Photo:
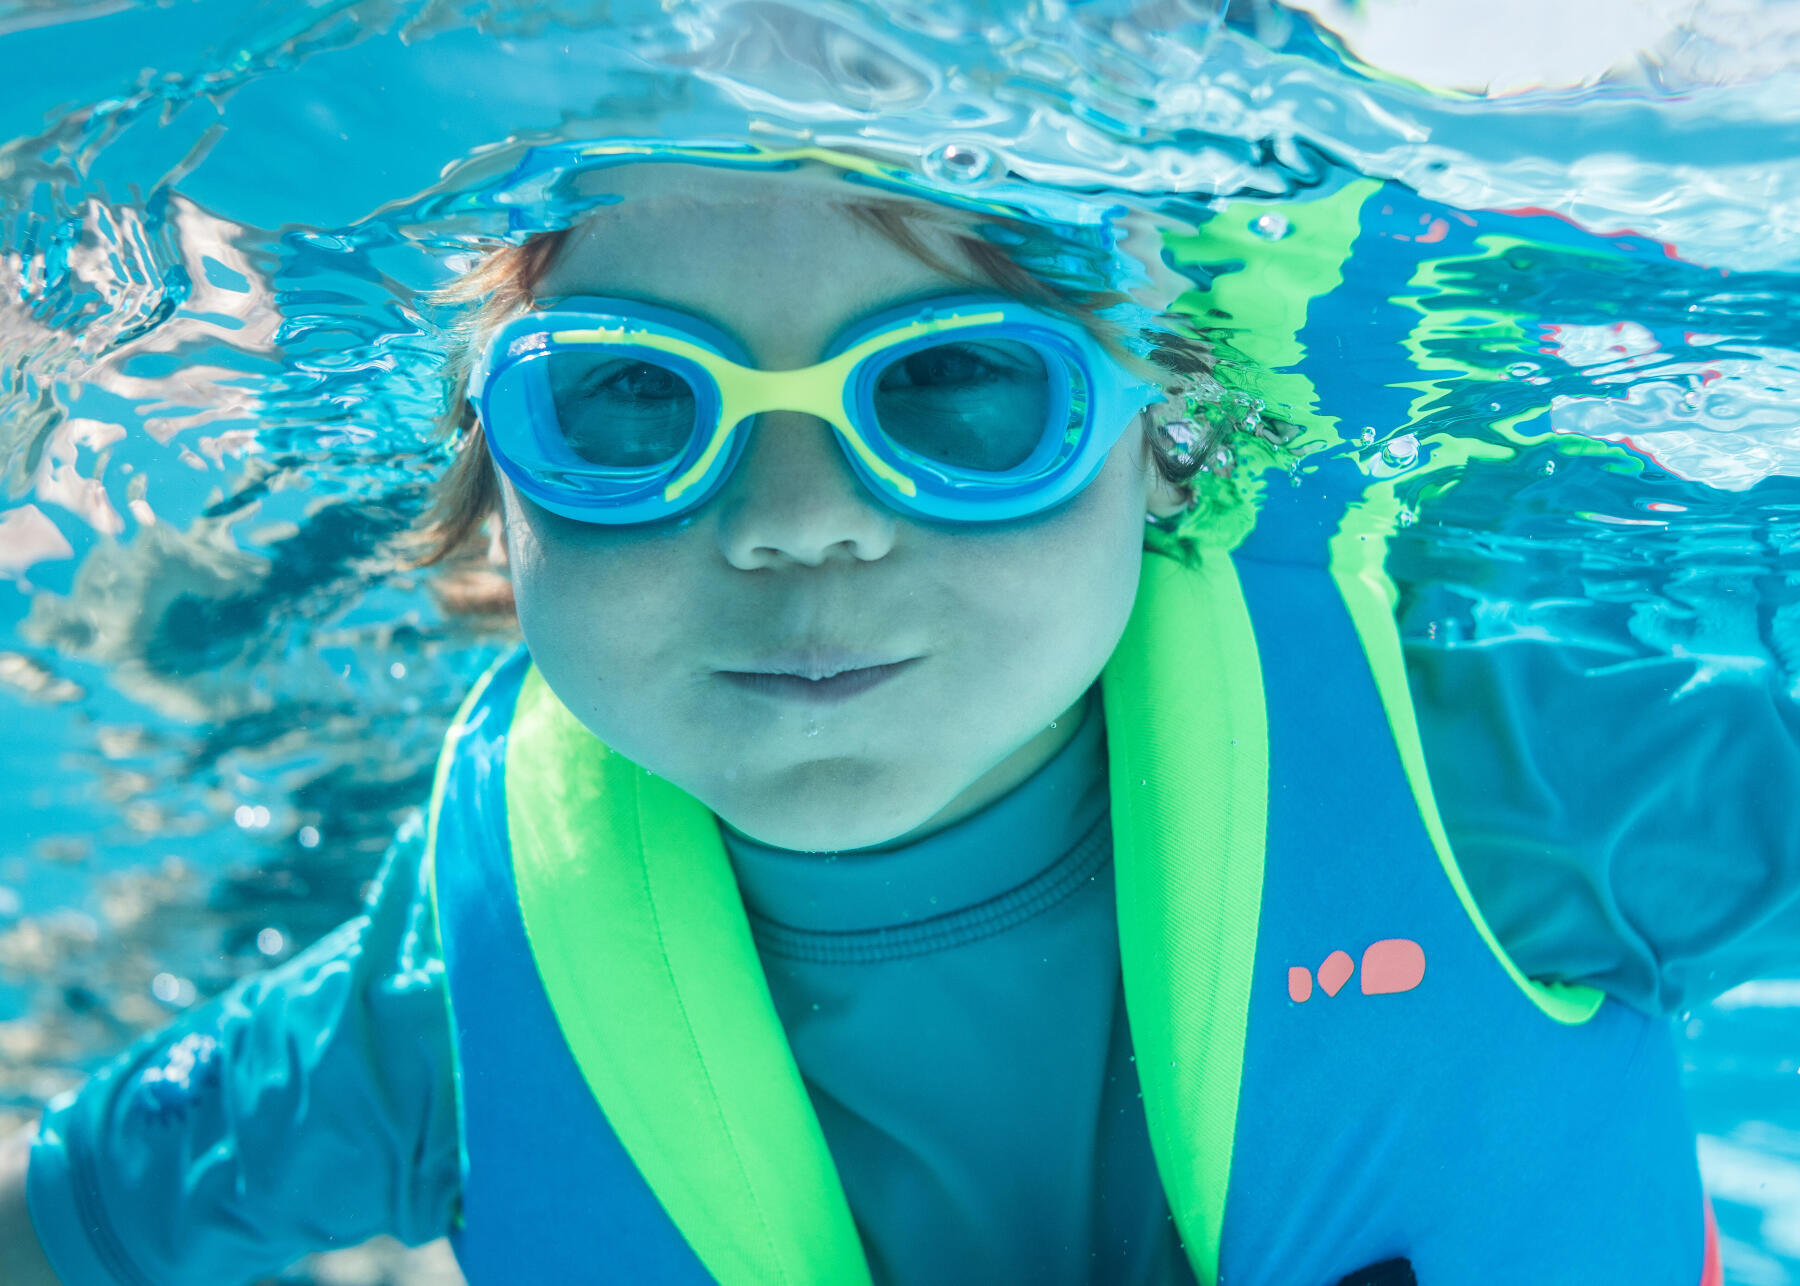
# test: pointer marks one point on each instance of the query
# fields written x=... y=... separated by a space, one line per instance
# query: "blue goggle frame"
x=1091 y=399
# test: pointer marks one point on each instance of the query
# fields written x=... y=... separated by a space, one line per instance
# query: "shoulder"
x=1612 y=817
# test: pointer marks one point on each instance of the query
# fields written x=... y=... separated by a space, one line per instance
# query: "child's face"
x=647 y=633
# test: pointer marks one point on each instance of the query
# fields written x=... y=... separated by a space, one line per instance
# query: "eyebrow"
x=870 y=304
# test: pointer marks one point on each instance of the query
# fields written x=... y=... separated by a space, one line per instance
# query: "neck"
x=1003 y=776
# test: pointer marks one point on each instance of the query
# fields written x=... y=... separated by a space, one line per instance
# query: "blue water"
x=219 y=688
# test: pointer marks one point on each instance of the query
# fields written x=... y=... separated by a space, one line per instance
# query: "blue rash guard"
x=312 y=1107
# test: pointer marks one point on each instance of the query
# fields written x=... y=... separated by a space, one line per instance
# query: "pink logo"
x=1390 y=966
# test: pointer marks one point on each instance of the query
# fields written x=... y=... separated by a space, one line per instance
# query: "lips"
x=818 y=678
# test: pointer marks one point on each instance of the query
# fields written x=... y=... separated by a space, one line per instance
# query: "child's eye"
x=635 y=382
x=620 y=412
x=956 y=365
x=979 y=406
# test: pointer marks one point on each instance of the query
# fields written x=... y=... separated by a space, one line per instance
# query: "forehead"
x=778 y=259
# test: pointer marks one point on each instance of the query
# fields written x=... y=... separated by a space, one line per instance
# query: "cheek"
x=1098 y=536
x=1056 y=592
x=596 y=607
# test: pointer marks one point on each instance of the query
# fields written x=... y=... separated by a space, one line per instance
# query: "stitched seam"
x=107 y=1247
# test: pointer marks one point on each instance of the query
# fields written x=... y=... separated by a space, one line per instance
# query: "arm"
x=22 y=1261
x=1625 y=825
x=308 y=1108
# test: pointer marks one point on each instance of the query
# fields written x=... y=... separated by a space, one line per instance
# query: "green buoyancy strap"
x=644 y=949
x=1187 y=746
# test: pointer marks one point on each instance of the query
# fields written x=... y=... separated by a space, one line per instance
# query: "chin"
x=847 y=817
x=811 y=834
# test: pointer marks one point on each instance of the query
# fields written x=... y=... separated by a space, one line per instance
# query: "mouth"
x=814 y=680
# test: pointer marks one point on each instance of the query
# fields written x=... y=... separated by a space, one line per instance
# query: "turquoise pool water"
x=1573 y=297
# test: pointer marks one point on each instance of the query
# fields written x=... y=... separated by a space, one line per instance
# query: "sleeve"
x=310 y=1107
x=1633 y=826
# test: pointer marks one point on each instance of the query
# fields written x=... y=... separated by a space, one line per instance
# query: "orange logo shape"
x=1390 y=966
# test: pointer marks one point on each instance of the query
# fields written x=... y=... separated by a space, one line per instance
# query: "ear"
x=1165 y=499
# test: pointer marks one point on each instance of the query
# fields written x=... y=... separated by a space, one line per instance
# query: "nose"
x=794 y=500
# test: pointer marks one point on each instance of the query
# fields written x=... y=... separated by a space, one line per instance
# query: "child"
x=783 y=930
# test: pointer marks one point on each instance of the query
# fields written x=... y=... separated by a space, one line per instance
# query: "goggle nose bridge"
x=819 y=390
x=816 y=390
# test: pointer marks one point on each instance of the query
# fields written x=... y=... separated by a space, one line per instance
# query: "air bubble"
x=1183 y=433
x=1400 y=452
x=1367 y=437
x=1271 y=227
x=962 y=164
x=172 y=990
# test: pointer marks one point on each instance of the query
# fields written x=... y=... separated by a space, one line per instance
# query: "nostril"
x=797 y=552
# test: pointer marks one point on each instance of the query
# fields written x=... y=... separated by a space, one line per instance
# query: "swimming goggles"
x=963 y=408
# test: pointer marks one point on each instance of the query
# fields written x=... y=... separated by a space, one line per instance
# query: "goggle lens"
x=621 y=412
x=979 y=405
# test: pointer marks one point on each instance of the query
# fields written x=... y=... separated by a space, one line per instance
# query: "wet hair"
x=505 y=281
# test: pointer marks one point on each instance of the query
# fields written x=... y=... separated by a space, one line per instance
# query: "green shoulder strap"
x=644 y=948
x=1359 y=566
x=1187 y=733
x=1188 y=752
